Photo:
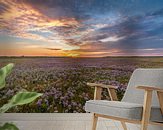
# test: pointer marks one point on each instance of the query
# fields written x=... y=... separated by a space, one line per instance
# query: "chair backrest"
x=143 y=77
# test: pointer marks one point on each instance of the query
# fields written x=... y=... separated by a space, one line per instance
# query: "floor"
x=57 y=121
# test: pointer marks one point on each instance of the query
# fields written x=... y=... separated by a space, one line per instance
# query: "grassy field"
x=63 y=80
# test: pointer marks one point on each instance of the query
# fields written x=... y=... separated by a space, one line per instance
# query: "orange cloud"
x=21 y=18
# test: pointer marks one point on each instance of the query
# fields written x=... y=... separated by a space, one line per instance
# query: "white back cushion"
x=143 y=77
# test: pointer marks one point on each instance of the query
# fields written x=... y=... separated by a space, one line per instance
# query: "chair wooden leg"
x=146 y=110
x=144 y=126
x=124 y=125
x=160 y=98
x=94 y=122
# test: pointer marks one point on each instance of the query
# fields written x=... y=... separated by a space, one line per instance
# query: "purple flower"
x=39 y=102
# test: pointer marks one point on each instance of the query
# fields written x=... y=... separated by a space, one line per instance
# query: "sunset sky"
x=82 y=28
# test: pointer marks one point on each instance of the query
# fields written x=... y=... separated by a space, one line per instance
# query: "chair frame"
x=146 y=107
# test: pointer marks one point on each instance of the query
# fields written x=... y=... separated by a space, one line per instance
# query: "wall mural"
x=58 y=46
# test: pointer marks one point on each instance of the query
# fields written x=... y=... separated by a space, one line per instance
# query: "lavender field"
x=63 y=80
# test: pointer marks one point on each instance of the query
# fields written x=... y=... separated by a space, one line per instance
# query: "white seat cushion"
x=125 y=110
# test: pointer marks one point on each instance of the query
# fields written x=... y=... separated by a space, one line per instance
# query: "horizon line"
x=76 y=57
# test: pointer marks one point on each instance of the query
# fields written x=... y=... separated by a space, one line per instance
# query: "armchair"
x=137 y=106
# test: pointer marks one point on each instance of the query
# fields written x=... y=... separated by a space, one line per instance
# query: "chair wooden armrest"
x=101 y=85
x=150 y=88
x=98 y=89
